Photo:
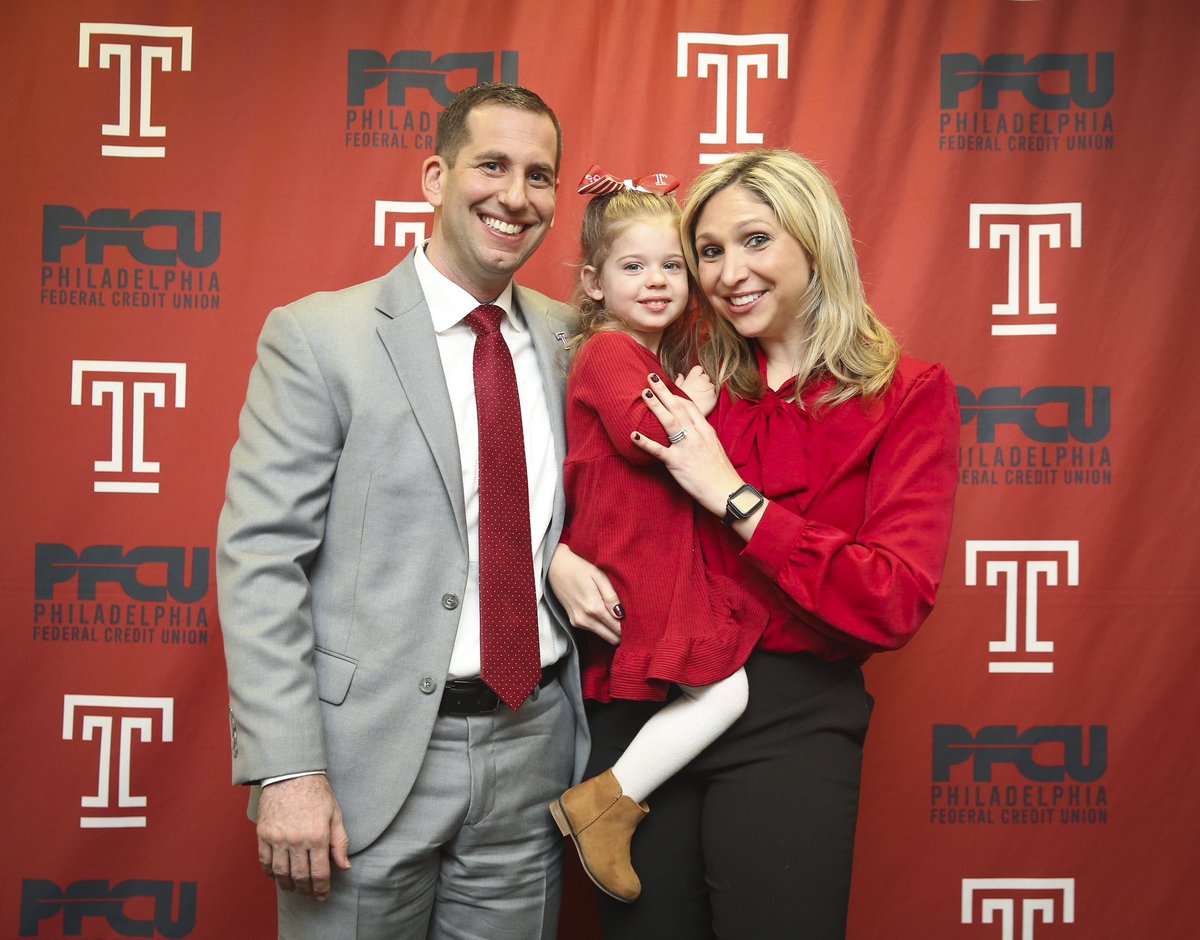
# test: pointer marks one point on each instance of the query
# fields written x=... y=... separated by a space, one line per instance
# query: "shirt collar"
x=448 y=303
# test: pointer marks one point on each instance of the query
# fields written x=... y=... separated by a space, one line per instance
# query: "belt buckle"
x=494 y=706
x=474 y=697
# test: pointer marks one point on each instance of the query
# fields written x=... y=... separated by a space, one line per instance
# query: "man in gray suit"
x=349 y=576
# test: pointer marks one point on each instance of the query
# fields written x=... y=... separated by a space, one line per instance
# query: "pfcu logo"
x=1018 y=904
x=1034 y=80
x=1050 y=103
x=116 y=904
x=1023 y=565
x=1034 y=412
x=1050 y=433
x=1015 y=230
x=416 y=68
x=137 y=52
x=760 y=56
x=1048 y=775
x=409 y=222
x=137 y=597
x=113 y=721
x=155 y=237
x=1041 y=754
x=127 y=470
x=56 y=564
x=178 y=248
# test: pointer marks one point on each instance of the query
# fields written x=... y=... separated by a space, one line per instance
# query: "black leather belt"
x=475 y=697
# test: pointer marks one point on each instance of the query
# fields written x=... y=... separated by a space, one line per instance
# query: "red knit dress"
x=628 y=517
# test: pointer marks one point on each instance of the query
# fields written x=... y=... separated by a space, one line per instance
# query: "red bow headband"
x=598 y=182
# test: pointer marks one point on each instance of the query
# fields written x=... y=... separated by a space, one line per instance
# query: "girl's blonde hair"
x=843 y=338
x=604 y=219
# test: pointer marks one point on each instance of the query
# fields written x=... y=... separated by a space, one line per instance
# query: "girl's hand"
x=586 y=594
x=697 y=460
x=699 y=388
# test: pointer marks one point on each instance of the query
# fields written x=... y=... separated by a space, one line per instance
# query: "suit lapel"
x=411 y=343
x=549 y=349
x=549 y=352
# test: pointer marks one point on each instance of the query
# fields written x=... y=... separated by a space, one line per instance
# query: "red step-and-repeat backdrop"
x=1022 y=179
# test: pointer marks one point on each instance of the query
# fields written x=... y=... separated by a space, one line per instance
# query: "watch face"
x=745 y=501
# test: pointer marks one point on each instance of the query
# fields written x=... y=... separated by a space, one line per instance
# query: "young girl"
x=682 y=626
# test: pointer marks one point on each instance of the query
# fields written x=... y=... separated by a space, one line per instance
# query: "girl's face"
x=751 y=269
x=643 y=283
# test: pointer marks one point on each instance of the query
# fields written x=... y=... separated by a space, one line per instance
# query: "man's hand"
x=299 y=830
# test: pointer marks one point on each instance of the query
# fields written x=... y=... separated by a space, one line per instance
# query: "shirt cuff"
x=303 y=773
x=776 y=534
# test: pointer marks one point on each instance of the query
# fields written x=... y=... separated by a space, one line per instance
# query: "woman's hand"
x=586 y=594
x=697 y=460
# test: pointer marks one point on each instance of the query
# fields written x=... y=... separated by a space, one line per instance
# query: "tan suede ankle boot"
x=600 y=820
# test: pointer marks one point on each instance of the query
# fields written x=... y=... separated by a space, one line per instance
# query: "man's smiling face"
x=496 y=202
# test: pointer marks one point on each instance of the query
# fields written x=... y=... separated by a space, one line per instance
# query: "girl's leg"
x=678 y=732
x=601 y=814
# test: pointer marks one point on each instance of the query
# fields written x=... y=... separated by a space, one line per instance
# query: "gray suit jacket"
x=342 y=545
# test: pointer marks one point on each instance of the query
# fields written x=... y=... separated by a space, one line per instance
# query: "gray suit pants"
x=473 y=853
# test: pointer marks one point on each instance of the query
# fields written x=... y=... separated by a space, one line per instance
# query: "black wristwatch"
x=742 y=503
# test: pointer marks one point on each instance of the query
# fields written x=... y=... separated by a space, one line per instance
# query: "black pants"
x=755 y=838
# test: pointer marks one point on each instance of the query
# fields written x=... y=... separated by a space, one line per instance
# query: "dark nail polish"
x=648 y=393
x=653 y=377
x=619 y=612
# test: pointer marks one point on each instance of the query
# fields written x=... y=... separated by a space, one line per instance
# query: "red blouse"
x=848 y=554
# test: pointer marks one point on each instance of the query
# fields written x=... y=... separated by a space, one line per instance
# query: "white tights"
x=678 y=732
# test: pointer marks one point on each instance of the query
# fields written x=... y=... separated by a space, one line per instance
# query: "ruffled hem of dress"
x=691 y=657
x=597 y=687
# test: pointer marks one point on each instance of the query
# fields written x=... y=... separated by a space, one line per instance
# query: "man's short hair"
x=452 y=132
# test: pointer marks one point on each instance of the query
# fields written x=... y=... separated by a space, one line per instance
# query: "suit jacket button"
x=449 y=601
x=428 y=685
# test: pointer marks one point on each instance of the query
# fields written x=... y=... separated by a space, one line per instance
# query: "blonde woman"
x=827 y=474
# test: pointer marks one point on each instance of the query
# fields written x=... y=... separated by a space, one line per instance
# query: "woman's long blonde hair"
x=843 y=338
x=604 y=219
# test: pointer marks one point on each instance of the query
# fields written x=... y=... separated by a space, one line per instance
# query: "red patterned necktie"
x=508 y=627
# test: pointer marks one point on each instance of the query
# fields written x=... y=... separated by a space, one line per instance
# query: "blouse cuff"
x=777 y=532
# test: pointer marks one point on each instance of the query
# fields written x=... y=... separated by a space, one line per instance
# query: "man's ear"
x=433 y=177
x=589 y=277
